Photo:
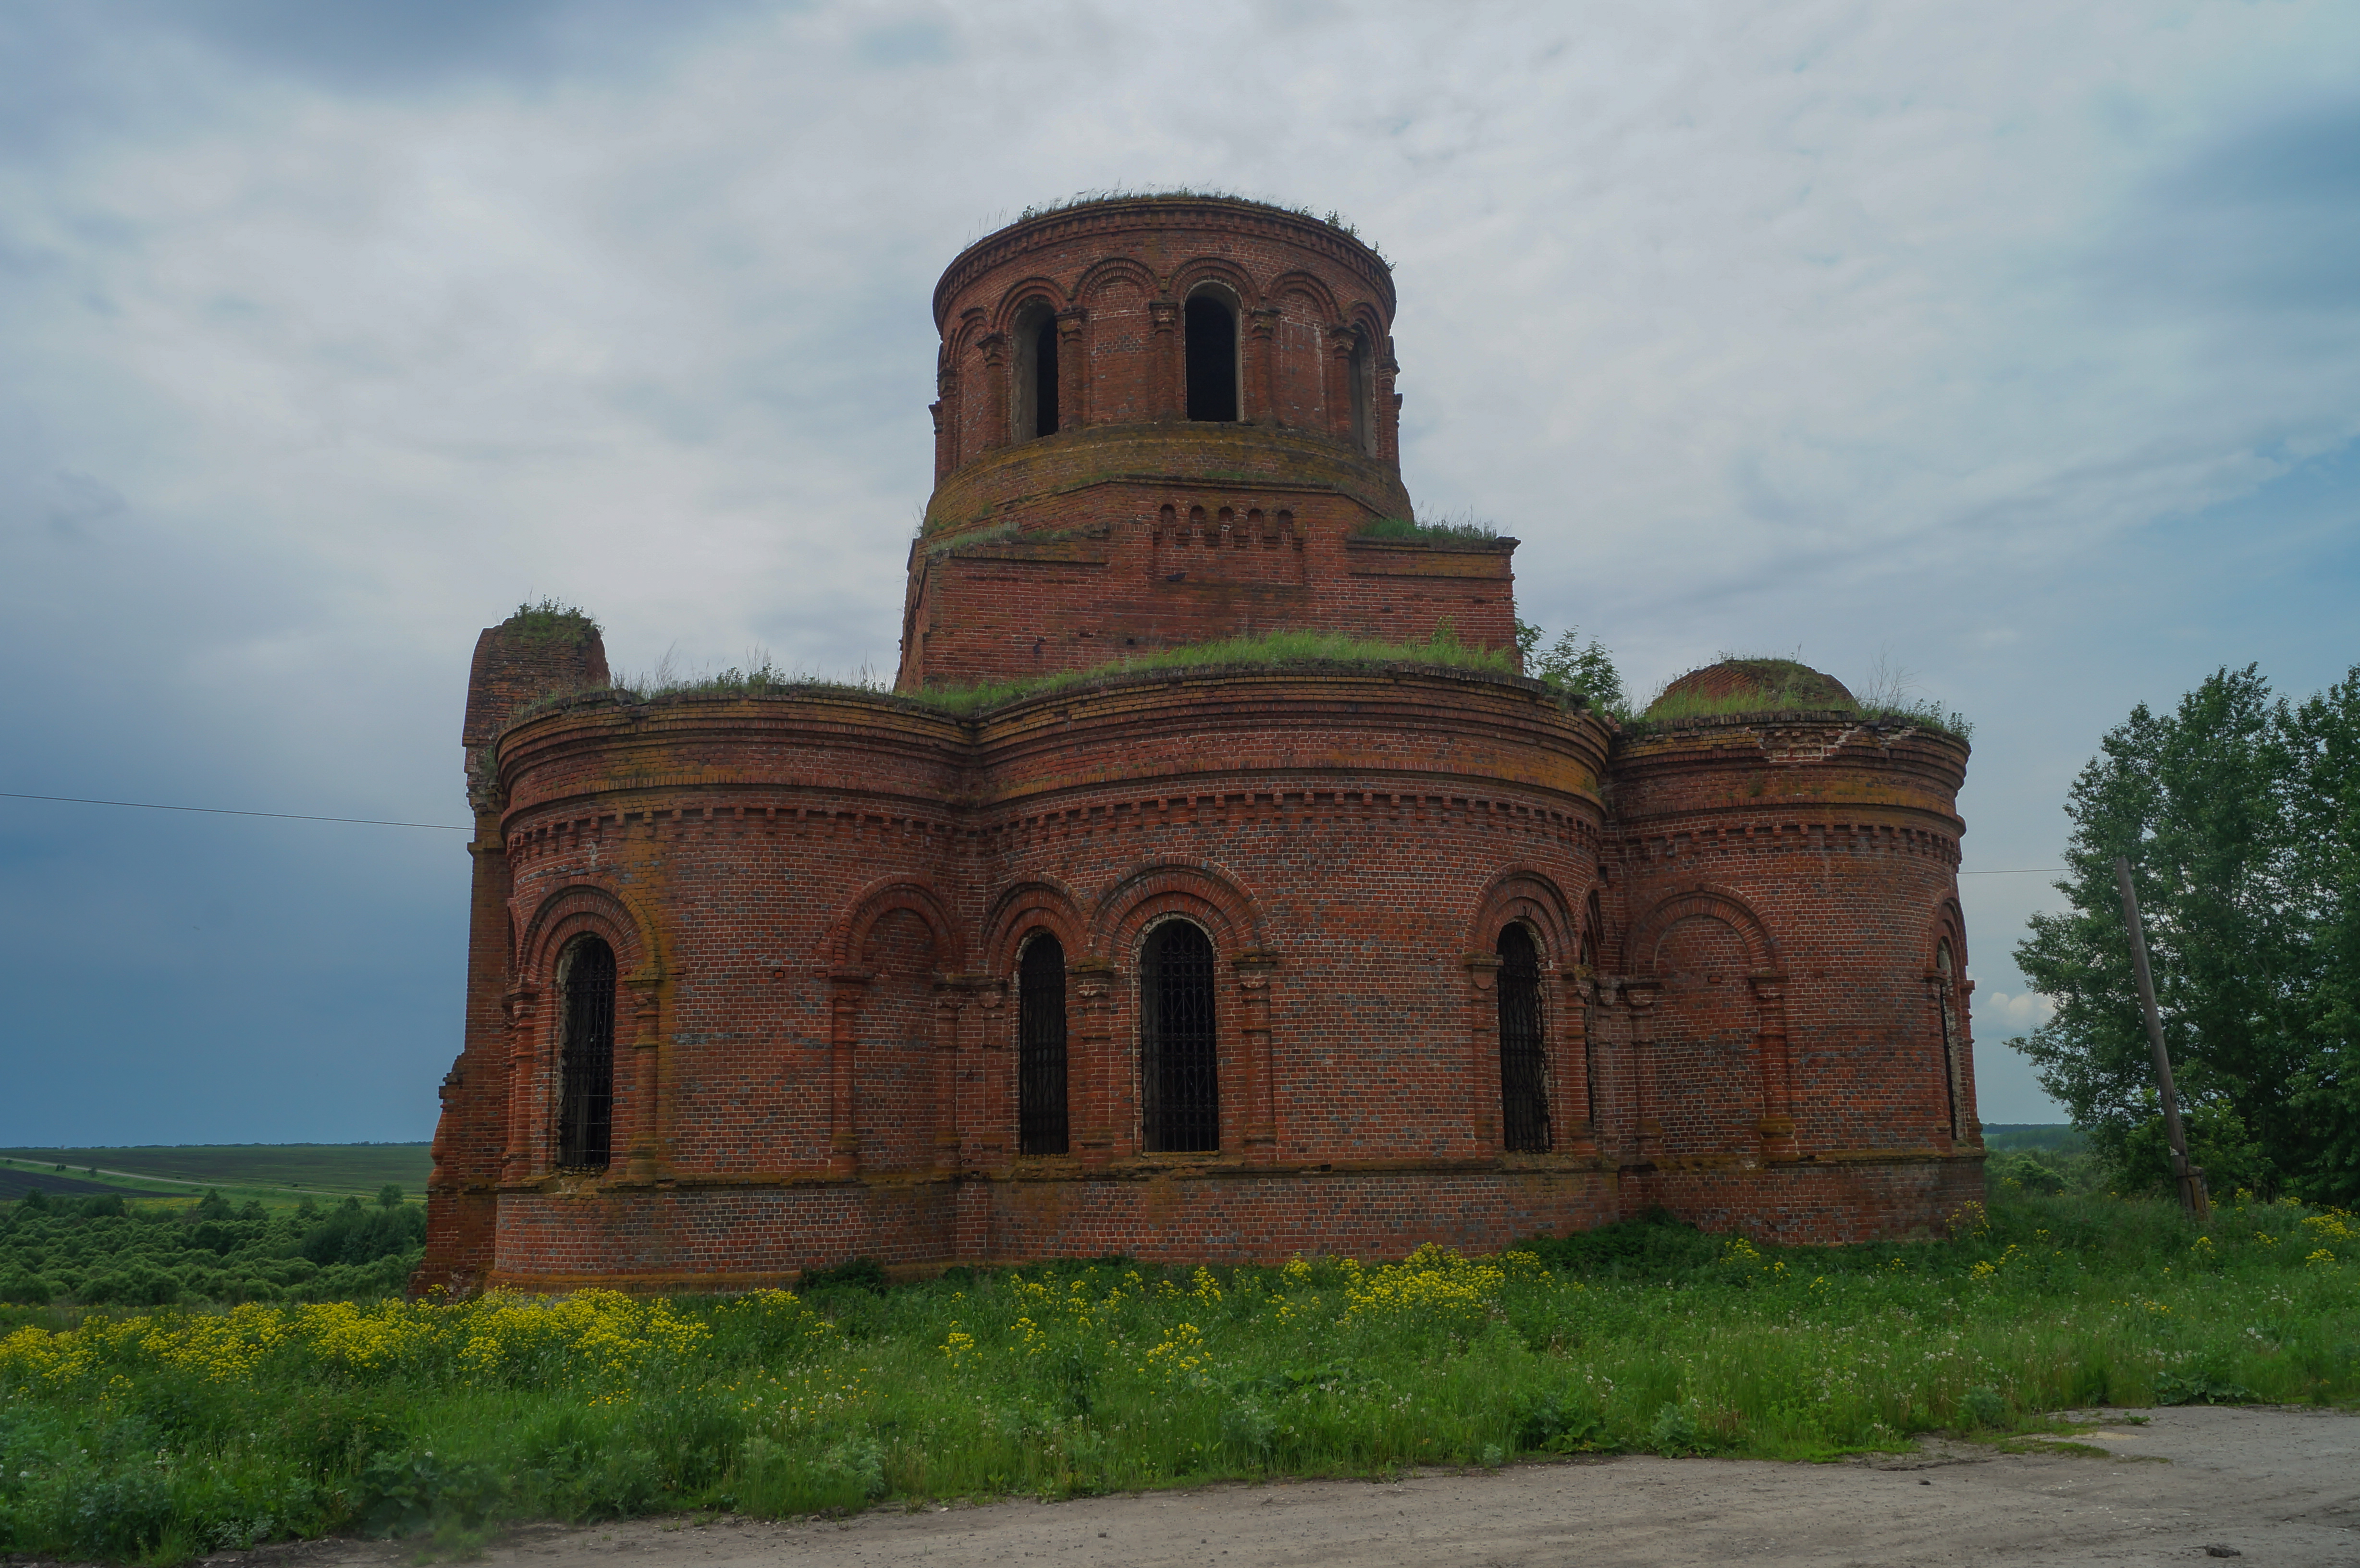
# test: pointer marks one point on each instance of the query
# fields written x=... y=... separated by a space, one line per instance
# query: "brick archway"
x=851 y=929
x=535 y=1025
x=1950 y=1032
x=1709 y=1029
x=892 y=1096
x=1106 y=987
x=1528 y=896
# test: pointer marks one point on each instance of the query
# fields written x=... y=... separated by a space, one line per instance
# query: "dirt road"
x=2276 y=1486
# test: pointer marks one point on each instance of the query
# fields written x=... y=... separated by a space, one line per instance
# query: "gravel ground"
x=2276 y=1486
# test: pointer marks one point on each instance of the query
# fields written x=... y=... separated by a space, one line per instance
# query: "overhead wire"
x=226 y=812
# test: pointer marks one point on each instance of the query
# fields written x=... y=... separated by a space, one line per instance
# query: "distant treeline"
x=104 y=1251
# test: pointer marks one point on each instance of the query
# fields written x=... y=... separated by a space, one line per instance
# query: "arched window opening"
x=1035 y=403
x=1179 y=1077
x=1041 y=1047
x=1523 y=1062
x=585 y=1114
x=1363 y=376
x=1944 y=967
x=1212 y=331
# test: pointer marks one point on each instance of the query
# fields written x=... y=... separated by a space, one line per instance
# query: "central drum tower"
x=1163 y=423
x=1225 y=960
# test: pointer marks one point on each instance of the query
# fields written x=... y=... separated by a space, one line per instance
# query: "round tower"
x=1164 y=421
x=1792 y=954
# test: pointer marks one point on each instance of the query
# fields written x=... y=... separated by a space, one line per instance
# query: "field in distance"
x=276 y=1173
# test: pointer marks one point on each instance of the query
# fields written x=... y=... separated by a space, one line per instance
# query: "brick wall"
x=1130 y=527
x=510 y=671
x=817 y=900
x=825 y=897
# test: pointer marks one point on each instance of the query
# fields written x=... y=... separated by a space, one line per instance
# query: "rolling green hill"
x=327 y=1169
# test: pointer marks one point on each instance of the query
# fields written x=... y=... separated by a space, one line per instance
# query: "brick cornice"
x=1110 y=220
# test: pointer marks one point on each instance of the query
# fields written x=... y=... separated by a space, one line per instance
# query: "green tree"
x=1571 y=666
x=2228 y=809
x=2326 y=1092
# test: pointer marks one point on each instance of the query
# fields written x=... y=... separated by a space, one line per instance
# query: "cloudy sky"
x=2013 y=344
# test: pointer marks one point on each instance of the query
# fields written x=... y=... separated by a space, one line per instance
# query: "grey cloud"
x=379 y=46
x=2265 y=220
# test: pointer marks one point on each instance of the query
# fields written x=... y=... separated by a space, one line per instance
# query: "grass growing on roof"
x=549 y=621
x=1276 y=648
x=1333 y=219
x=160 y=1436
x=760 y=677
x=1789 y=687
x=1449 y=531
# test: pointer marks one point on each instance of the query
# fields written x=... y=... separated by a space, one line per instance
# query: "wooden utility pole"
x=2189 y=1179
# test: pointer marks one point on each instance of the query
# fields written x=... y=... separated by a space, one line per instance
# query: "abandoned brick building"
x=1228 y=961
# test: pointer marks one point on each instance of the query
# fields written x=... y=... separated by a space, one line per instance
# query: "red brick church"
x=1230 y=961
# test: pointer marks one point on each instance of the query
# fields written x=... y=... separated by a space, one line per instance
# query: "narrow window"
x=1212 y=359
x=1041 y=1047
x=1589 y=1017
x=1035 y=406
x=1044 y=377
x=1523 y=1064
x=1364 y=392
x=1178 y=1077
x=1944 y=966
x=586 y=1118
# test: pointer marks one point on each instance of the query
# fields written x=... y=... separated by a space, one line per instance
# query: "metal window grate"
x=1523 y=1060
x=1178 y=1050
x=585 y=1116
x=1041 y=1047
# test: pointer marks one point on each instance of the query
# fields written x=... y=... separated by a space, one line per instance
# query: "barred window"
x=1041 y=1047
x=1523 y=1061
x=585 y=1115
x=1178 y=1073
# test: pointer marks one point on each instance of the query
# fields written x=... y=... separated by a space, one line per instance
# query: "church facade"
x=1189 y=961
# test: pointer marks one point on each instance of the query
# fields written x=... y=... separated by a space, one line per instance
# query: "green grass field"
x=275 y=1174
x=160 y=1435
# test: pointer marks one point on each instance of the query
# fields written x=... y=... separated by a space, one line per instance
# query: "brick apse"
x=1224 y=962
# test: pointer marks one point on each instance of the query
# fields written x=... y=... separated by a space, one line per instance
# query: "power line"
x=2018 y=871
x=221 y=812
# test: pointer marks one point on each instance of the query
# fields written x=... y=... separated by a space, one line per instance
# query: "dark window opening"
x=1942 y=964
x=1179 y=1078
x=1590 y=1020
x=1032 y=371
x=1044 y=377
x=1212 y=359
x=1041 y=1047
x=586 y=1118
x=1523 y=1062
x=1364 y=392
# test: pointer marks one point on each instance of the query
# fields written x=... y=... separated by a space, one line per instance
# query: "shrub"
x=858 y=1274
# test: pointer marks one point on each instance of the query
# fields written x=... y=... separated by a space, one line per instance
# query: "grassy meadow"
x=274 y=1175
x=162 y=1432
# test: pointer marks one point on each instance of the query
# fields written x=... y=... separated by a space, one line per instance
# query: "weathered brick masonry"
x=1749 y=1005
